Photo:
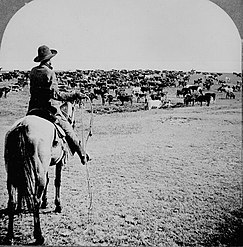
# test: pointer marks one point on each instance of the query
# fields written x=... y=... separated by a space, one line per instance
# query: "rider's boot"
x=76 y=147
x=81 y=153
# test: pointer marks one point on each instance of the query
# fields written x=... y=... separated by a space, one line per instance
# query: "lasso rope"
x=84 y=143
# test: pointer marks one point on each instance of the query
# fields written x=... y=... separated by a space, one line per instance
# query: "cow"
x=153 y=104
x=203 y=98
x=192 y=87
x=212 y=95
x=222 y=88
x=125 y=98
x=184 y=91
x=109 y=98
x=92 y=96
x=179 y=92
x=230 y=95
x=190 y=98
x=4 y=91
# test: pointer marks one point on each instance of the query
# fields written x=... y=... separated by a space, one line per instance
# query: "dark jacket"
x=44 y=93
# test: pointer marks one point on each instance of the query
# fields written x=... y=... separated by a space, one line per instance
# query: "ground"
x=164 y=177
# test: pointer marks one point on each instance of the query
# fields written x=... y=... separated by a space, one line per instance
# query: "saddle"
x=59 y=134
x=49 y=116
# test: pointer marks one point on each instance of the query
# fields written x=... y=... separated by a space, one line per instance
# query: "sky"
x=123 y=34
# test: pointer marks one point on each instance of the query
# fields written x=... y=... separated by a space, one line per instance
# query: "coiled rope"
x=84 y=143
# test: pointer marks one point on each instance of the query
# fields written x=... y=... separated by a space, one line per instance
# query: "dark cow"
x=125 y=98
x=230 y=95
x=109 y=98
x=212 y=95
x=4 y=91
x=140 y=96
x=92 y=96
x=103 y=91
x=222 y=88
x=184 y=91
x=179 y=92
x=189 y=98
x=203 y=98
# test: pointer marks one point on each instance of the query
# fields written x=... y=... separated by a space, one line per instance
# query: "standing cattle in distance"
x=125 y=98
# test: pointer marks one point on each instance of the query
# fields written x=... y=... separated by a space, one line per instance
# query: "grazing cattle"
x=212 y=95
x=236 y=88
x=92 y=96
x=155 y=96
x=192 y=87
x=198 y=81
x=208 y=83
x=4 y=91
x=153 y=104
x=203 y=98
x=182 y=83
x=16 y=88
x=223 y=88
x=109 y=98
x=184 y=91
x=189 y=98
x=140 y=96
x=179 y=92
x=136 y=90
x=230 y=95
x=103 y=91
x=237 y=74
x=145 y=89
x=125 y=98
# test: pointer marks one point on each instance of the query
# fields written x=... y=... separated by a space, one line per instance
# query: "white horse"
x=32 y=145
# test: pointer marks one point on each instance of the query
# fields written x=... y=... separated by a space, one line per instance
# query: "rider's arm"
x=62 y=96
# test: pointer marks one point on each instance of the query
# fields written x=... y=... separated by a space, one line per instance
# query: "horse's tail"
x=21 y=171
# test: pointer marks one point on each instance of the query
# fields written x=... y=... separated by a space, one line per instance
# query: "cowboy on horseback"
x=45 y=97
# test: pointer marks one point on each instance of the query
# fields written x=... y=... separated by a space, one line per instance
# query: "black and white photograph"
x=121 y=123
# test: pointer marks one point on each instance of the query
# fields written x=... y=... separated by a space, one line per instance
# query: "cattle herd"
x=140 y=86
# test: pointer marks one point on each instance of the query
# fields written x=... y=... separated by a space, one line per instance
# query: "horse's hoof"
x=58 y=209
x=39 y=241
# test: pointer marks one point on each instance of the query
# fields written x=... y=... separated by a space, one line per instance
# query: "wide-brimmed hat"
x=44 y=53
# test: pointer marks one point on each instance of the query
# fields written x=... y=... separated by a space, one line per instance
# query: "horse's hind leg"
x=44 y=197
x=58 y=185
x=11 y=208
x=37 y=229
x=20 y=203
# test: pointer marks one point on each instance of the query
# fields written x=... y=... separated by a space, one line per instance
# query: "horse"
x=28 y=153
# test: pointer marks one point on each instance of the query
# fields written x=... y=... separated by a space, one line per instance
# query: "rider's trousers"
x=71 y=137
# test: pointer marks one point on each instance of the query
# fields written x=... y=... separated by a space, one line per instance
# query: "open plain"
x=164 y=177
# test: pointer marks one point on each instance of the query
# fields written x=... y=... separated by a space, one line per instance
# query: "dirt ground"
x=164 y=177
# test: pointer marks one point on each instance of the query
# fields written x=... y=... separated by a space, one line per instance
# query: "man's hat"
x=44 y=53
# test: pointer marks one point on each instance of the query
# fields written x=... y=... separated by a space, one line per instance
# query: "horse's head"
x=68 y=109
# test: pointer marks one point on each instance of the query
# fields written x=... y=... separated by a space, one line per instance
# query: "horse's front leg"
x=58 y=185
